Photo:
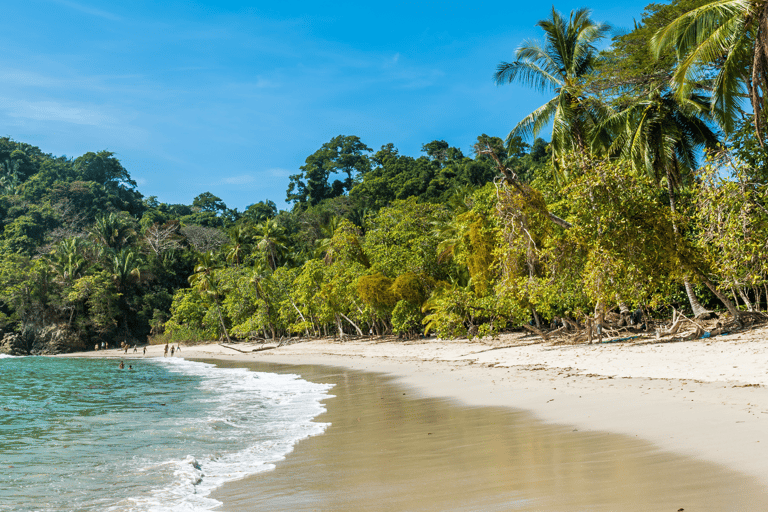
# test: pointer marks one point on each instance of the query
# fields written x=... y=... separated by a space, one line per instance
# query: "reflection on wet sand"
x=388 y=450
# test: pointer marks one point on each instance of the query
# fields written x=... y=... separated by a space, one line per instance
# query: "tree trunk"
x=600 y=320
x=732 y=309
x=536 y=317
x=342 y=334
x=765 y=289
x=698 y=310
x=745 y=298
x=359 y=331
x=306 y=329
x=221 y=320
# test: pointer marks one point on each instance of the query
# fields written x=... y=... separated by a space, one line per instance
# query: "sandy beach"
x=705 y=400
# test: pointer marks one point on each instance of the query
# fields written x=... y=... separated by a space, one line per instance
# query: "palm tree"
x=124 y=265
x=238 y=237
x=323 y=243
x=67 y=259
x=272 y=241
x=113 y=231
x=732 y=35
x=205 y=281
x=559 y=64
x=660 y=135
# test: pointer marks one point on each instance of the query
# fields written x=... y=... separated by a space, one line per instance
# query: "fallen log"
x=534 y=330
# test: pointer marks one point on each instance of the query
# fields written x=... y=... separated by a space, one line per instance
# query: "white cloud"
x=28 y=78
x=55 y=111
x=244 y=179
x=280 y=173
x=88 y=10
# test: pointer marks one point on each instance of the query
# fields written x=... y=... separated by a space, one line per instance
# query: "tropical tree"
x=272 y=242
x=205 y=281
x=68 y=260
x=238 y=237
x=125 y=265
x=113 y=231
x=560 y=64
x=725 y=41
x=660 y=135
x=342 y=155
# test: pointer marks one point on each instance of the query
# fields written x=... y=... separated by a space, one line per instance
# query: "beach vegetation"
x=651 y=197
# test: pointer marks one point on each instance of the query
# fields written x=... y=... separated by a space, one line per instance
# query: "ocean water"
x=83 y=435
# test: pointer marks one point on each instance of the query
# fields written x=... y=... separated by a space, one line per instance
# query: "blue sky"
x=231 y=97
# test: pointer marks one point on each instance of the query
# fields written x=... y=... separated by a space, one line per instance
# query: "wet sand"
x=391 y=448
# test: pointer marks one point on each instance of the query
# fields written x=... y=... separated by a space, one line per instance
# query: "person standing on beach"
x=145 y=350
x=165 y=353
x=172 y=349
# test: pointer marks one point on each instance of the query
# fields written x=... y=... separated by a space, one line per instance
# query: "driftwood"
x=534 y=330
x=261 y=349
x=233 y=348
x=572 y=324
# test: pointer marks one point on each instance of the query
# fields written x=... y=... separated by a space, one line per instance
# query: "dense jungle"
x=649 y=200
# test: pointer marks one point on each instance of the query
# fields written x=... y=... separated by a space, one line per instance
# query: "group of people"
x=168 y=347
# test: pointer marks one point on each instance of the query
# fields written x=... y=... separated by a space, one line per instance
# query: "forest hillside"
x=649 y=200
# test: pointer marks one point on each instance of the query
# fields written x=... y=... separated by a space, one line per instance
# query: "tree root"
x=534 y=330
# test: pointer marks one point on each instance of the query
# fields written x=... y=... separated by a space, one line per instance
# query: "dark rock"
x=13 y=344
x=54 y=339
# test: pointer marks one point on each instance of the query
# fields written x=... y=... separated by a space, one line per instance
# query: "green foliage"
x=433 y=178
x=411 y=288
x=341 y=155
x=376 y=291
x=626 y=235
x=261 y=211
x=188 y=314
x=561 y=64
x=723 y=43
x=100 y=297
x=406 y=318
x=454 y=312
x=398 y=239
x=630 y=66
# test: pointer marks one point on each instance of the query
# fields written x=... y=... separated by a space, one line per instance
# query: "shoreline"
x=705 y=399
x=388 y=448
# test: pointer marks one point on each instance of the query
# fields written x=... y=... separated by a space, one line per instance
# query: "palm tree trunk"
x=698 y=310
x=732 y=309
x=221 y=320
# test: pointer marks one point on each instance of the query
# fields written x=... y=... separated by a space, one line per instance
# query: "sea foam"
x=265 y=414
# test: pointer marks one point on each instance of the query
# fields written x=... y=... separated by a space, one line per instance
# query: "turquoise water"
x=82 y=435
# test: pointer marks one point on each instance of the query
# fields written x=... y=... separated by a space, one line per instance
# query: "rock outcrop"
x=13 y=344
x=46 y=340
